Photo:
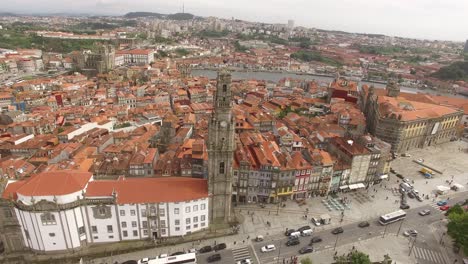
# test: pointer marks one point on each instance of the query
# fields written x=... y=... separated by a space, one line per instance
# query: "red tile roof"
x=150 y=190
x=52 y=183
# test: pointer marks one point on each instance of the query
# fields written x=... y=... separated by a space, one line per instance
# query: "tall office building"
x=466 y=47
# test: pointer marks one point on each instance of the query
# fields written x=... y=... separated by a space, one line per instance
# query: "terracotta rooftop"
x=150 y=190
x=52 y=183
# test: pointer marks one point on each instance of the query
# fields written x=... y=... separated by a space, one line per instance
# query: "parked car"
x=293 y=242
x=130 y=262
x=244 y=261
x=192 y=250
x=425 y=212
x=177 y=253
x=259 y=238
x=337 y=231
x=419 y=198
x=441 y=203
x=304 y=228
x=399 y=176
x=315 y=221
x=315 y=239
x=305 y=250
x=444 y=207
x=145 y=260
x=404 y=206
x=363 y=224
x=307 y=232
x=213 y=258
x=205 y=249
x=163 y=255
x=406 y=155
x=406 y=180
x=410 y=232
x=420 y=160
x=268 y=248
x=411 y=195
x=392 y=171
x=219 y=247
x=289 y=232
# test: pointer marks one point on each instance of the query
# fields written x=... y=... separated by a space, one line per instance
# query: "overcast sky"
x=424 y=19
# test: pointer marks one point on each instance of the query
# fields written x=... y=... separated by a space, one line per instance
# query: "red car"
x=444 y=207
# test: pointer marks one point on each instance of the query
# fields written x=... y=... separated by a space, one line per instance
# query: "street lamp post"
x=399 y=228
x=279 y=252
x=412 y=245
x=385 y=231
x=336 y=241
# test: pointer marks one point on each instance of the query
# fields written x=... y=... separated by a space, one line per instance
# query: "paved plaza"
x=365 y=204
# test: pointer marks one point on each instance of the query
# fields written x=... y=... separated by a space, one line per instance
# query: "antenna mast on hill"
x=183 y=8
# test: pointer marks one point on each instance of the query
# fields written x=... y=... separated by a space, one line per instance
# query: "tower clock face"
x=223 y=124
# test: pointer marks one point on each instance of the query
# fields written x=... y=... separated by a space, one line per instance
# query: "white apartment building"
x=65 y=210
x=136 y=56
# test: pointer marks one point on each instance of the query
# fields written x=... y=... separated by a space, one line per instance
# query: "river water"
x=275 y=77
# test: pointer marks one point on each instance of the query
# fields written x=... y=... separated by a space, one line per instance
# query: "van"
x=307 y=232
x=295 y=234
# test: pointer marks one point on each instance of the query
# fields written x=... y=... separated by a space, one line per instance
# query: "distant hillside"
x=143 y=14
x=7 y=14
x=177 y=16
x=454 y=72
x=181 y=16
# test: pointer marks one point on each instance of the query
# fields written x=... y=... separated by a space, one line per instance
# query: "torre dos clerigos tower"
x=220 y=152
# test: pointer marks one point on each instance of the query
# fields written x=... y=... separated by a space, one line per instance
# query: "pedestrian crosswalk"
x=241 y=253
x=429 y=255
x=436 y=207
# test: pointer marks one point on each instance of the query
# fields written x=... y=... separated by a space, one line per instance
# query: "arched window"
x=224 y=87
x=221 y=167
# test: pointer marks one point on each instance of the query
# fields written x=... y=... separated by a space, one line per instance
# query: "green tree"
x=457 y=228
x=358 y=257
x=306 y=261
x=182 y=52
x=456 y=209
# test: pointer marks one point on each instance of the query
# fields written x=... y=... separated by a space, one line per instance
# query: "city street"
x=365 y=205
x=352 y=233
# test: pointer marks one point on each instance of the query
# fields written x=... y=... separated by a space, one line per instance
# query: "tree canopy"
x=455 y=71
x=458 y=227
x=306 y=261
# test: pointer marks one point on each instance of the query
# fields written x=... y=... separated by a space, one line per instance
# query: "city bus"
x=189 y=258
x=392 y=217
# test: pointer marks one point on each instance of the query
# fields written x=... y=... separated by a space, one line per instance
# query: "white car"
x=410 y=232
x=145 y=260
x=315 y=221
x=268 y=248
x=163 y=256
x=244 y=261
x=420 y=160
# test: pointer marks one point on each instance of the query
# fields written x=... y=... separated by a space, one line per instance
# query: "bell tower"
x=220 y=152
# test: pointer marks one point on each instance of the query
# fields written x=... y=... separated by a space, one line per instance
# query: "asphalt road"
x=352 y=233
